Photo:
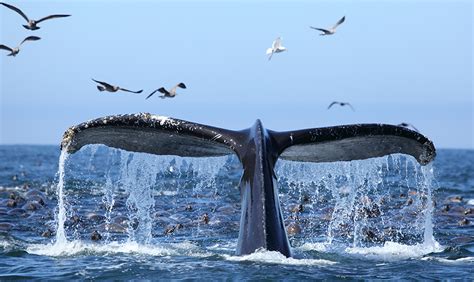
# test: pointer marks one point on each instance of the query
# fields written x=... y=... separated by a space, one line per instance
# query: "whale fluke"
x=161 y=135
x=258 y=149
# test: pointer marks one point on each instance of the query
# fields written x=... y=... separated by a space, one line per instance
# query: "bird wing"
x=320 y=29
x=339 y=22
x=151 y=94
x=103 y=83
x=51 y=17
x=16 y=10
x=330 y=105
x=277 y=43
x=180 y=85
x=349 y=104
x=164 y=91
x=136 y=92
x=6 y=48
x=30 y=38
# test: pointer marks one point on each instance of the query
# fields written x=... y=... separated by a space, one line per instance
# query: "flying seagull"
x=331 y=30
x=404 y=124
x=32 y=24
x=111 y=88
x=341 y=104
x=276 y=48
x=170 y=94
x=16 y=50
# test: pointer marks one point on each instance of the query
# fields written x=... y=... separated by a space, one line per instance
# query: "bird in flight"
x=16 y=50
x=170 y=94
x=111 y=88
x=32 y=24
x=407 y=125
x=340 y=104
x=276 y=48
x=331 y=30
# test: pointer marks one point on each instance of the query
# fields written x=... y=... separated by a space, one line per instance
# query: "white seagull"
x=170 y=94
x=331 y=30
x=276 y=48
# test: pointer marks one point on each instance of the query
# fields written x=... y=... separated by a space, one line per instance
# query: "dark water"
x=178 y=218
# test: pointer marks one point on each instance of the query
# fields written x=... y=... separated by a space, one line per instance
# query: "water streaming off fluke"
x=356 y=207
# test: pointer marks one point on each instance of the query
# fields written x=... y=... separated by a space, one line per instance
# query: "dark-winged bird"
x=170 y=94
x=331 y=30
x=340 y=104
x=16 y=50
x=104 y=86
x=32 y=24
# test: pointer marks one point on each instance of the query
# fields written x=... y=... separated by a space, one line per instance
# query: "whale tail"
x=160 y=135
x=258 y=150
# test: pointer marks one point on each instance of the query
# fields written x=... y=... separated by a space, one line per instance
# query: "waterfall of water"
x=363 y=203
x=61 y=213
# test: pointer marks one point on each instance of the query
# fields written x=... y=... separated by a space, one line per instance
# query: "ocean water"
x=103 y=213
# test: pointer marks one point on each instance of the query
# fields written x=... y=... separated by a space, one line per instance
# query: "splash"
x=376 y=206
x=61 y=214
x=272 y=257
x=391 y=251
x=76 y=247
x=137 y=179
x=132 y=185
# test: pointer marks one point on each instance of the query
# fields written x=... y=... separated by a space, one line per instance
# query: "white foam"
x=229 y=246
x=168 y=193
x=470 y=202
x=4 y=244
x=318 y=247
x=73 y=248
x=274 y=257
x=394 y=251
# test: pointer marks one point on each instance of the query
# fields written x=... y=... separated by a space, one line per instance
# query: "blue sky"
x=394 y=61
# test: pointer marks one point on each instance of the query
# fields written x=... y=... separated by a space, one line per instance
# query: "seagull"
x=276 y=48
x=111 y=88
x=32 y=24
x=331 y=30
x=16 y=50
x=170 y=94
x=341 y=104
x=404 y=124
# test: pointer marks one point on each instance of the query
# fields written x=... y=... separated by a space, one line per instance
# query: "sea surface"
x=104 y=213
